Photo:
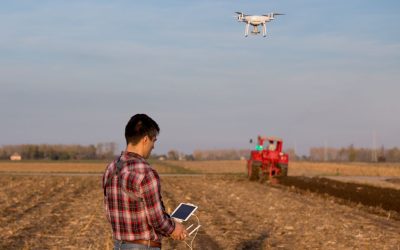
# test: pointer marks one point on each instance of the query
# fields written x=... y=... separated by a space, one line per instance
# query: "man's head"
x=141 y=132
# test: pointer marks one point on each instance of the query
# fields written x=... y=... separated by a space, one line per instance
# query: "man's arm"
x=158 y=218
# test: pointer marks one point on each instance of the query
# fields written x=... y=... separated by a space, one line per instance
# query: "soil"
x=393 y=180
x=238 y=214
x=371 y=196
x=66 y=212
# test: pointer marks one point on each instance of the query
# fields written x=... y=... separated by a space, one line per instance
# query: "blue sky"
x=75 y=71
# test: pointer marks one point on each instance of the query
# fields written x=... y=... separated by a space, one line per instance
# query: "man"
x=132 y=194
x=272 y=145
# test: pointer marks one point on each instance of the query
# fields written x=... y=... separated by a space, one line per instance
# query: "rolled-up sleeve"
x=157 y=217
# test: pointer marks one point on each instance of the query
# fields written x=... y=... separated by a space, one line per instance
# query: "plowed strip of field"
x=385 y=198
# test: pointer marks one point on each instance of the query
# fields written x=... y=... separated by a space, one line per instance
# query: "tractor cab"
x=274 y=143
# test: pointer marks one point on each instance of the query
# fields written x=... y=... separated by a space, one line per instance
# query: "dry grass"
x=296 y=168
x=53 y=167
x=344 y=169
x=71 y=167
x=212 y=167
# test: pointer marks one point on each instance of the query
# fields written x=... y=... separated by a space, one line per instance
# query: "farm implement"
x=267 y=162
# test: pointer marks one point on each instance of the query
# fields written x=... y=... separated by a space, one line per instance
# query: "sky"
x=74 y=72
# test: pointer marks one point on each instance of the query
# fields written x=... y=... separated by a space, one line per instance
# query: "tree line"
x=353 y=154
x=108 y=151
x=60 y=152
x=343 y=154
x=200 y=155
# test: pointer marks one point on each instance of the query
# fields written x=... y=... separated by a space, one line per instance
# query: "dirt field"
x=65 y=212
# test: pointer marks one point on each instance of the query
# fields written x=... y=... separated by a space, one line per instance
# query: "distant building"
x=15 y=157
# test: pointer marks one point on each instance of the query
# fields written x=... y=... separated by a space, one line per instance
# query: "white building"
x=15 y=157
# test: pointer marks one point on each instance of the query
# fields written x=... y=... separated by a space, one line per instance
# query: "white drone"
x=255 y=21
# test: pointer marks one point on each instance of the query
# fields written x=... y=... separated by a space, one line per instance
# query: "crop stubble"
x=53 y=212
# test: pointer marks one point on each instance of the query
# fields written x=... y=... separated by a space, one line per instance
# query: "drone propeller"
x=271 y=15
x=240 y=16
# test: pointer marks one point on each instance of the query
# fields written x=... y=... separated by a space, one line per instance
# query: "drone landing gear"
x=246 y=31
x=264 y=27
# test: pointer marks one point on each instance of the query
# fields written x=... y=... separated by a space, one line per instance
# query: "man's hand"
x=179 y=232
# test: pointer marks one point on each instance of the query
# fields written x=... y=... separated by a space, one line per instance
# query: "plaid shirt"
x=133 y=202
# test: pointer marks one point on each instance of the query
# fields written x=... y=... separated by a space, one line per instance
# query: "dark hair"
x=138 y=127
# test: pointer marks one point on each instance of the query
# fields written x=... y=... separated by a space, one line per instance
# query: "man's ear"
x=145 y=139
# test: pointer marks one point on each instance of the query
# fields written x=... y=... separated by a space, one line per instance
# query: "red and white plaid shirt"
x=133 y=202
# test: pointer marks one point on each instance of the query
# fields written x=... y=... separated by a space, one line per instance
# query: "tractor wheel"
x=254 y=171
x=263 y=177
x=284 y=169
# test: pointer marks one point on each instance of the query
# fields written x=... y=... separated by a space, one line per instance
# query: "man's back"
x=133 y=200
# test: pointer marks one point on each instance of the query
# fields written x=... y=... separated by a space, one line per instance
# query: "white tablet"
x=183 y=211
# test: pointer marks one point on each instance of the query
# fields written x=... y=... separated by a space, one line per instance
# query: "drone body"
x=254 y=21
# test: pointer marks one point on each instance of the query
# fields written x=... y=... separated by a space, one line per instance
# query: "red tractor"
x=267 y=162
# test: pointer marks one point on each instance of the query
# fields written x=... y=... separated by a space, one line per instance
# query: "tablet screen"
x=183 y=211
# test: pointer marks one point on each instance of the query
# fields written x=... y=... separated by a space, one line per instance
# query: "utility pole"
x=295 y=149
x=374 y=153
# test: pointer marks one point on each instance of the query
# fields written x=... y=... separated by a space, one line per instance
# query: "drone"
x=255 y=21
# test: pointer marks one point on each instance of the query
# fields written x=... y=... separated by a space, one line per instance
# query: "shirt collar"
x=127 y=154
